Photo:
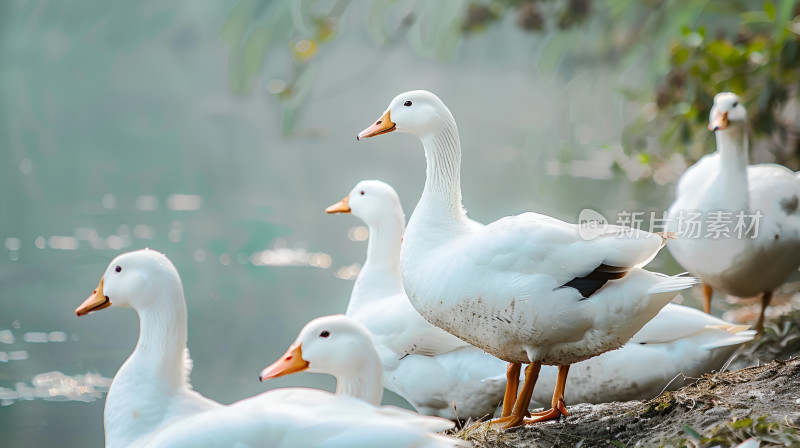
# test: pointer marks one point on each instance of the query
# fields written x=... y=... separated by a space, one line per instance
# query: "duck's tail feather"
x=736 y=338
x=674 y=283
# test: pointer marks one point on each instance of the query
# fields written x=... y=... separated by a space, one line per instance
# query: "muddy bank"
x=720 y=409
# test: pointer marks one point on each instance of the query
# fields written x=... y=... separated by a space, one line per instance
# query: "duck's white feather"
x=399 y=327
x=502 y=288
x=303 y=418
x=464 y=383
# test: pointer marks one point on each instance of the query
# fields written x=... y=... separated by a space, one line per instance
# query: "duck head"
x=727 y=110
x=331 y=344
x=417 y=112
x=370 y=200
x=132 y=280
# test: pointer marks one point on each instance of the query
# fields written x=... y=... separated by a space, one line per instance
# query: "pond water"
x=119 y=131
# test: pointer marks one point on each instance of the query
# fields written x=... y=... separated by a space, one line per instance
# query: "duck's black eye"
x=362 y=192
x=324 y=334
x=407 y=103
x=118 y=268
x=735 y=103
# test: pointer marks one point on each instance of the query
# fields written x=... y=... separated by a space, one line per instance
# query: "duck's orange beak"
x=719 y=122
x=291 y=362
x=96 y=301
x=382 y=126
x=342 y=206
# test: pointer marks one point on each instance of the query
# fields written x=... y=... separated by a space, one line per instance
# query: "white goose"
x=151 y=403
x=526 y=288
x=433 y=370
x=679 y=343
x=756 y=205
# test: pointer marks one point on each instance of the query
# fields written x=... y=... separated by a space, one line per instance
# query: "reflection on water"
x=358 y=233
x=40 y=337
x=33 y=337
x=284 y=256
x=349 y=272
x=184 y=202
x=6 y=337
x=123 y=238
x=19 y=355
x=55 y=386
x=147 y=203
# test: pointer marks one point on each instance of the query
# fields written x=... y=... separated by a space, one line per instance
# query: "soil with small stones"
x=771 y=391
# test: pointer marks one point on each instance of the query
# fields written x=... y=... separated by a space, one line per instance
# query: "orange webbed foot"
x=550 y=414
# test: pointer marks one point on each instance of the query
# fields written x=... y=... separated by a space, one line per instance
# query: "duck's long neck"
x=732 y=146
x=380 y=275
x=442 y=194
x=367 y=384
x=155 y=373
x=162 y=341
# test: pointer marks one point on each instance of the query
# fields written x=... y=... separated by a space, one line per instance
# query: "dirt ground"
x=720 y=409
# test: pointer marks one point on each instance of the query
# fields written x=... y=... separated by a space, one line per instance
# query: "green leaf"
x=754 y=17
x=551 y=54
x=743 y=423
x=694 y=435
x=376 y=22
x=301 y=87
x=448 y=41
x=253 y=53
x=757 y=44
x=235 y=25
x=769 y=8
x=784 y=14
x=434 y=23
x=680 y=55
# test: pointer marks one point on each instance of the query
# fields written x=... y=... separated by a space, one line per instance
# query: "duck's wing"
x=408 y=333
x=675 y=322
x=775 y=193
x=394 y=323
x=464 y=383
x=532 y=243
x=697 y=176
x=303 y=417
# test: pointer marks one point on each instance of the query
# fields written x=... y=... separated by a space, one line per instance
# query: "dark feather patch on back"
x=595 y=280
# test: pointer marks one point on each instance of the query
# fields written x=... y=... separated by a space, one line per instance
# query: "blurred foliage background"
x=218 y=132
x=693 y=50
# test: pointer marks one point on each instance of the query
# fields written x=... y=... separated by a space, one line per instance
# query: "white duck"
x=756 y=205
x=679 y=343
x=151 y=403
x=527 y=288
x=433 y=370
x=338 y=346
